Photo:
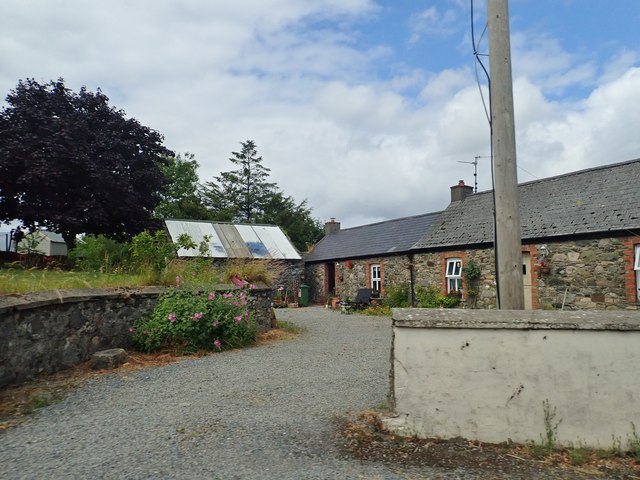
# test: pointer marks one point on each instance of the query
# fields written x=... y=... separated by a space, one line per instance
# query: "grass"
x=15 y=281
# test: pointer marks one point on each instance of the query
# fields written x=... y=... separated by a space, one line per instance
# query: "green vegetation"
x=550 y=438
x=188 y=320
x=399 y=296
x=17 y=280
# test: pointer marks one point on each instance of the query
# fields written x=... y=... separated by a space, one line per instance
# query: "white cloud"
x=293 y=77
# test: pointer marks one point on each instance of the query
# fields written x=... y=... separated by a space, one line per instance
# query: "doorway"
x=330 y=275
x=526 y=281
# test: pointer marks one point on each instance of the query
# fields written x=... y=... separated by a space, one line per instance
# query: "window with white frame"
x=376 y=277
x=636 y=267
x=454 y=275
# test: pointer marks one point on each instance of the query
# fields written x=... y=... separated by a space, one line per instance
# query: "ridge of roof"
x=585 y=202
x=367 y=225
x=567 y=174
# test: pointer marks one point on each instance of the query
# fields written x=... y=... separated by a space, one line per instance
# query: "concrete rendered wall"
x=484 y=375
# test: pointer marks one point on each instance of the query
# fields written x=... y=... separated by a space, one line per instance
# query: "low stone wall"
x=499 y=375
x=53 y=330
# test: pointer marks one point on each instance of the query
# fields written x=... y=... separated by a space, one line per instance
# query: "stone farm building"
x=260 y=243
x=580 y=245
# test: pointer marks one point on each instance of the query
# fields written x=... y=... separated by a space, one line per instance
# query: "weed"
x=634 y=443
x=578 y=456
x=614 y=451
x=550 y=438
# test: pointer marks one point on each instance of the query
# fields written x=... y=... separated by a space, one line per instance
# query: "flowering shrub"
x=190 y=319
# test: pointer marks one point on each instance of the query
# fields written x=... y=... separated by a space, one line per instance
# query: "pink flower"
x=227 y=295
x=251 y=286
x=131 y=330
x=196 y=316
x=172 y=317
x=238 y=319
x=238 y=282
x=217 y=344
x=145 y=332
x=211 y=296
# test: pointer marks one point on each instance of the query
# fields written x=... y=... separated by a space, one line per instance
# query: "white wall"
x=484 y=375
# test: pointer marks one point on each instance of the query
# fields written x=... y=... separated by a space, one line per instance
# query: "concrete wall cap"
x=516 y=319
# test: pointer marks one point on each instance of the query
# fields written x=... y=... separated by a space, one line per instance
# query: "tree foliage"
x=181 y=197
x=73 y=164
x=294 y=218
x=240 y=195
x=246 y=195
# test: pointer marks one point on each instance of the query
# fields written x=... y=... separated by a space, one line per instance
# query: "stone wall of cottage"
x=581 y=274
x=352 y=275
x=355 y=274
x=587 y=274
x=314 y=277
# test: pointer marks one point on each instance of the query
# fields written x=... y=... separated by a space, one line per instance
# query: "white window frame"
x=636 y=267
x=453 y=274
x=376 y=277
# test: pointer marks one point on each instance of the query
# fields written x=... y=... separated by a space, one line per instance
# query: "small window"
x=637 y=263
x=376 y=278
x=454 y=275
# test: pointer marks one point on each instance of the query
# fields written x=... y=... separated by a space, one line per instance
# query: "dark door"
x=331 y=278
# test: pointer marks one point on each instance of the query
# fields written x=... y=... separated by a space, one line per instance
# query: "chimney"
x=331 y=227
x=460 y=192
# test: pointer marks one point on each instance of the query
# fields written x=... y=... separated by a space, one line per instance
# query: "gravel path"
x=261 y=413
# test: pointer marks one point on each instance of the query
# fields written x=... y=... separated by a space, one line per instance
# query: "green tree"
x=181 y=196
x=246 y=195
x=294 y=218
x=72 y=164
x=240 y=195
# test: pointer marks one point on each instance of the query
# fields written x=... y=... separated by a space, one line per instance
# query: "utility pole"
x=503 y=142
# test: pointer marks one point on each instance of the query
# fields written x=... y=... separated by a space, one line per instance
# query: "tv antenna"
x=475 y=170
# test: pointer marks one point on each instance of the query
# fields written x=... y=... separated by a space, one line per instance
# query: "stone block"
x=107 y=359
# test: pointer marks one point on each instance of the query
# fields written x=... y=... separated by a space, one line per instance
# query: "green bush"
x=432 y=298
x=152 y=252
x=397 y=296
x=101 y=254
x=188 y=319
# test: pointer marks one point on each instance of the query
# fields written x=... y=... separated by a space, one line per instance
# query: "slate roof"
x=383 y=238
x=596 y=200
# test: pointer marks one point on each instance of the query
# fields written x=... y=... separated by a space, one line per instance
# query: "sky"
x=369 y=109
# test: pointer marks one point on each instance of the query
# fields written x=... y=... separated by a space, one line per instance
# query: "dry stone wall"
x=50 y=331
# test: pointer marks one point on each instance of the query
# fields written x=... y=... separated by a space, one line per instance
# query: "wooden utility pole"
x=503 y=141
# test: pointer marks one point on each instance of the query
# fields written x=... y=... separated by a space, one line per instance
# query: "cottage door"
x=526 y=280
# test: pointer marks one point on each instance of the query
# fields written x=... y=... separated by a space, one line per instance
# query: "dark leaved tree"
x=72 y=164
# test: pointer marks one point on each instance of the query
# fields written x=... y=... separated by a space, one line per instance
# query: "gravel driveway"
x=261 y=413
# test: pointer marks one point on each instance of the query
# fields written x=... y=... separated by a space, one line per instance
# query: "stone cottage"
x=580 y=245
